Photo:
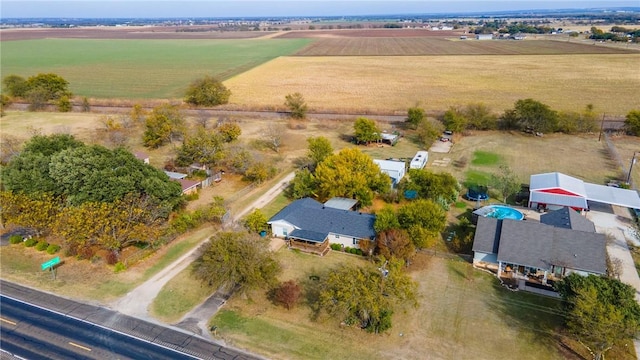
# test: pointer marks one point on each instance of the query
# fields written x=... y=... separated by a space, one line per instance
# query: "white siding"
x=281 y=228
x=343 y=240
x=419 y=160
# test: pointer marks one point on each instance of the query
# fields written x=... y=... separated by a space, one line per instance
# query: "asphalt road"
x=31 y=331
x=36 y=333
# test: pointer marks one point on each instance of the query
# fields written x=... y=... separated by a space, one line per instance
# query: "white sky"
x=219 y=8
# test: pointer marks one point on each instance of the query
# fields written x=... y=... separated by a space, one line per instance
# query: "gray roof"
x=341 y=203
x=309 y=235
x=541 y=246
x=567 y=218
x=310 y=215
x=487 y=235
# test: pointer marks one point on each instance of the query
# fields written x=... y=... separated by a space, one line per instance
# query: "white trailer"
x=419 y=160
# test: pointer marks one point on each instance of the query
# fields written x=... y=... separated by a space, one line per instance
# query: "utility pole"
x=633 y=161
x=601 y=128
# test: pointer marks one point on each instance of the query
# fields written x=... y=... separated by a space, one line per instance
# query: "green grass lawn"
x=485 y=158
x=180 y=295
x=476 y=177
x=275 y=205
x=139 y=69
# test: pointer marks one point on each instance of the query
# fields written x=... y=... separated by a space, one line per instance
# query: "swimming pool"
x=500 y=212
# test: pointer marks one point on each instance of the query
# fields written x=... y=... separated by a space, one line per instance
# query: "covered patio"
x=309 y=241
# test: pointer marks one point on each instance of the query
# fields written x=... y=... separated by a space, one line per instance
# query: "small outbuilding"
x=395 y=169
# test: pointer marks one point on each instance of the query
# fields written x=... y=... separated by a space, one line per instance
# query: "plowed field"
x=432 y=45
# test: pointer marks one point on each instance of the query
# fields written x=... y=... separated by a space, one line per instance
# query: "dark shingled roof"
x=568 y=219
x=487 y=235
x=310 y=215
x=541 y=246
x=309 y=235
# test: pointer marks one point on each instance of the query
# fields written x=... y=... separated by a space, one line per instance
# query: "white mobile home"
x=420 y=160
x=395 y=169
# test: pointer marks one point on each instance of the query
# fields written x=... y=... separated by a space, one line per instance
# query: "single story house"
x=188 y=186
x=556 y=190
x=395 y=169
x=484 y=36
x=540 y=252
x=311 y=226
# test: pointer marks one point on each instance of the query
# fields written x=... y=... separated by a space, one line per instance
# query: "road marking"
x=79 y=346
x=8 y=321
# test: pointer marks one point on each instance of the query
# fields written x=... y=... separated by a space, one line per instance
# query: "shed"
x=395 y=169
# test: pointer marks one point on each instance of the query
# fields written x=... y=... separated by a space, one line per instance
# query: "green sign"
x=51 y=263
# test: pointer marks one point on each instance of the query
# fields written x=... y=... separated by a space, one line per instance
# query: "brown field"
x=438 y=45
x=141 y=32
x=369 y=33
x=394 y=83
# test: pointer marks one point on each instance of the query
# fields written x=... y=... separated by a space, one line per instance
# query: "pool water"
x=503 y=212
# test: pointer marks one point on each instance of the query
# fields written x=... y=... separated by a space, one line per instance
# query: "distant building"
x=484 y=36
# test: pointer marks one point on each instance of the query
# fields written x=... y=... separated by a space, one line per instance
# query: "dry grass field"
x=411 y=46
x=626 y=146
x=392 y=84
x=579 y=156
x=463 y=314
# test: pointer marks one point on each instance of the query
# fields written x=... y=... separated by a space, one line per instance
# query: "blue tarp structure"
x=477 y=193
x=410 y=194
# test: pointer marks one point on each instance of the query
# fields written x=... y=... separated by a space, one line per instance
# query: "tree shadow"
x=537 y=316
x=459 y=236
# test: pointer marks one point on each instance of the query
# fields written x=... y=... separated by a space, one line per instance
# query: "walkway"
x=136 y=303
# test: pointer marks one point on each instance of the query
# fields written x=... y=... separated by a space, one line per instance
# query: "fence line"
x=446 y=255
x=613 y=152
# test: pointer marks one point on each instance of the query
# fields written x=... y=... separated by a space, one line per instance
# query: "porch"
x=514 y=274
x=312 y=247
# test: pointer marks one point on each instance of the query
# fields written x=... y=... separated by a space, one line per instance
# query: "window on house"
x=355 y=241
x=337 y=236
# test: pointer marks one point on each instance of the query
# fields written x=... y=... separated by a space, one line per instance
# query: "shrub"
x=52 y=249
x=119 y=267
x=15 y=239
x=30 y=242
x=359 y=252
x=112 y=257
x=347 y=249
x=288 y=294
x=336 y=247
x=353 y=250
x=64 y=104
x=207 y=91
x=42 y=245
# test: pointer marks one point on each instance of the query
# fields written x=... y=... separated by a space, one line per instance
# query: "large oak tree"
x=351 y=174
